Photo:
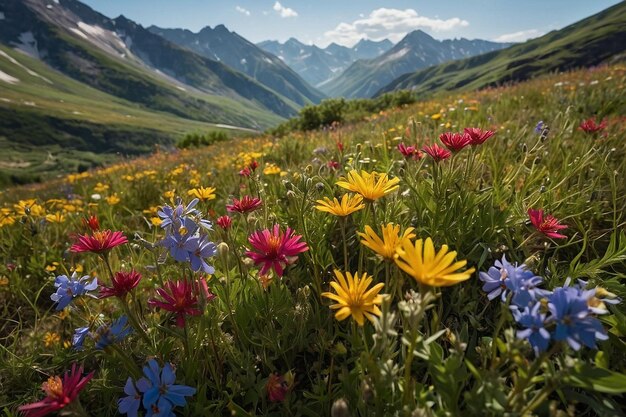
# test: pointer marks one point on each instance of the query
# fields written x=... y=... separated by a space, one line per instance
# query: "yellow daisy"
x=371 y=186
x=55 y=218
x=385 y=247
x=203 y=193
x=430 y=268
x=348 y=205
x=354 y=298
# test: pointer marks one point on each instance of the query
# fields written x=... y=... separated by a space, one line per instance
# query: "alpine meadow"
x=195 y=224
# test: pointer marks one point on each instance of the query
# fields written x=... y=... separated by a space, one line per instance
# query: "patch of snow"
x=56 y=1
x=91 y=30
x=28 y=70
x=217 y=58
x=243 y=61
x=6 y=100
x=28 y=44
x=76 y=112
x=8 y=78
x=396 y=55
x=79 y=33
x=282 y=58
x=306 y=56
x=49 y=6
x=181 y=88
x=269 y=61
x=1 y=15
x=29 y=103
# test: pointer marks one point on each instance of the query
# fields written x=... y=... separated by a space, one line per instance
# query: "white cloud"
x=242 y=10
x=520 y=36
x=389 y=23
x=284 y=11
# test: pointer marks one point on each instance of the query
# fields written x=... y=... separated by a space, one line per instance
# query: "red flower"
x=179 y=297
x=225 y=222
x=339 y=146
x=437 y=152
x=99 y=241
x=59 y=393
x=410 y=151
x=277 y=388
x=253 y=165
x=590 y=125
x=334 y=165
x=245 y=205
x=122 y=283
x=549 y=225
x=245 y=172
x=91 y=222
x=455 y=141
x=274 y=249
x=478 y=136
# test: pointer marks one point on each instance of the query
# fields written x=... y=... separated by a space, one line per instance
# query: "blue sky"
x=346 y=21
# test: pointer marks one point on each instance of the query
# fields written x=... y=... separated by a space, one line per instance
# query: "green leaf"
x=598 y=379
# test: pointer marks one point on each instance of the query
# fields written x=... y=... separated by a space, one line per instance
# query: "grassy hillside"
x=586 y=43
x=270 y=343
x=52 y=124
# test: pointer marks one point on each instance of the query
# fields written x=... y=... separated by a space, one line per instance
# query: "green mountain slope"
x=586 y=43
x=52 y=124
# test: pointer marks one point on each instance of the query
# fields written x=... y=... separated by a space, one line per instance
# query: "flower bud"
x=340 y=408
x=222 y=250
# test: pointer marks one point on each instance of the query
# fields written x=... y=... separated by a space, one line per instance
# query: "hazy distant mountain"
x=416 y=50
x=318 y=66
x=231 y=49
x=589 y=42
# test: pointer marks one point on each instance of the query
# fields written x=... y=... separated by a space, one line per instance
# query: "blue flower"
x=504 y=278
x=172 y=216
x=159 y=390
x=539 y=127
x=570 y=311
x=129 y=405
x=199 y=248
x=534 y=330
x=69 y=288
x=79 y=337
x=107 y=335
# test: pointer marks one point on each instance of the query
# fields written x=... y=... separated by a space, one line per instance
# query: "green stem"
x=343 y=223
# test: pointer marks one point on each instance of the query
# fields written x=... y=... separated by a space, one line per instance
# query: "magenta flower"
x=179 y=297
x=477 y=135
x=121 y=284
x=410 y=151
x=547 y=225
x=99 y=241
x=275 y=249
x=59 y=393
x=590 y=125
x=437 y=152
x=455 y=141
x=245 y=205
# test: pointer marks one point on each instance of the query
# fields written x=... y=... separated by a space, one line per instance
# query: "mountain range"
x=318 y=66
x=589 y=42
x=416 y=50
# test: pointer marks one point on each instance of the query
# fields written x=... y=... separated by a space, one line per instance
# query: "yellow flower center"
x=53 y=387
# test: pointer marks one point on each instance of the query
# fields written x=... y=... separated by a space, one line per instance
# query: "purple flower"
x=570 y=312
x=200 y=248
x=539 y=127
x=79 y=337
x=69 y=288
x=504 y=278
x=129 y=405
x=107 y=335
x=534 y=330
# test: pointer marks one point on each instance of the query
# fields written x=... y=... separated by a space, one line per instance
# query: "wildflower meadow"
x=461 y=256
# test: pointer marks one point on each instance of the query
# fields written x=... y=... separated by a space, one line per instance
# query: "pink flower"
x=225 y=222
x=410 y=151
x=245 y=172
x=277 y=388
x=99 y=241
x=334 y=165
x=549 y=225
x=91 y=222
x=275 y=249
x=437 y=152
x=59 y=393
x=245 y=205
x=179 y=297
x=122 y=284
x=590 y=126
x=455 y=141
x=477 y=135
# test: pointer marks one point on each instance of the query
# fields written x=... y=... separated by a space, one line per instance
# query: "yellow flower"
x=55 y=218
x=271 y=169
x=436 y=116
x=50 y=339
x=385 y=247
x=348 y=205
x=29 y=208
x=169 y=194
x=52 y=267
x=354 y=298
x=203 y=193
x=100 y=188
x=156 y=221
x=430 y=268
x=78 y=268
x=371 y=186
x=4 y=281
x=112 y=199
